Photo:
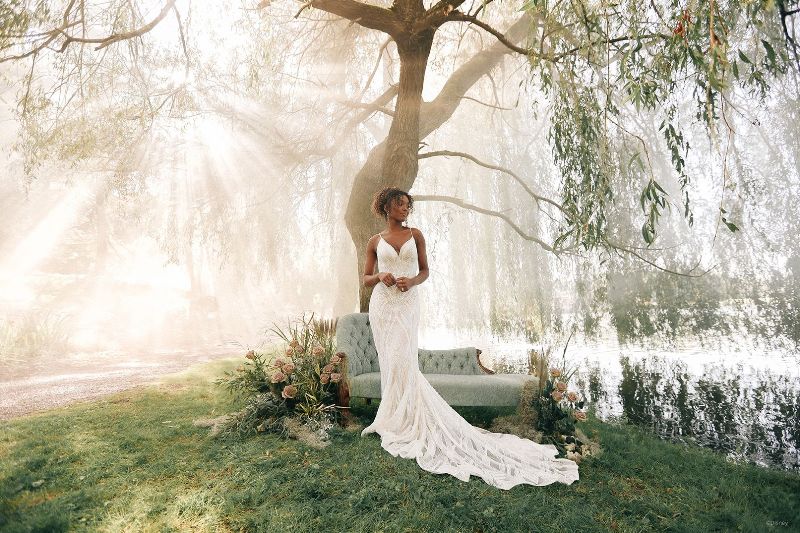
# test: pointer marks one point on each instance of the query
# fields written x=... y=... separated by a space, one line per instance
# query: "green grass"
x=135 y=462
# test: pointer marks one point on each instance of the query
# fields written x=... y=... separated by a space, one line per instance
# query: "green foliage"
x=33 y=334
x=303 y=381
x=552 y=408
x=17 y=16
x=598 y=60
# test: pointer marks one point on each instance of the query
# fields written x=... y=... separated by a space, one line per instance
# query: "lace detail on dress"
x=415 y=422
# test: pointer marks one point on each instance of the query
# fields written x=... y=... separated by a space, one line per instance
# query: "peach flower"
x=561 y=386
x=580 y=416
x=279 y=376
x=327 y=369
x=251 y=354
x=277 y=363
x=554 y=372
x=288 y=368
x=317 y=350
x=335 y=360
x=293 y=343
x=336 y=377
x=324 y=378
x=571 y=396
x=289 y=391
x=289 y=352
x=557 y=395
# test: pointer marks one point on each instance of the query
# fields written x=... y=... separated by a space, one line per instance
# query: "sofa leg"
x=343 y=404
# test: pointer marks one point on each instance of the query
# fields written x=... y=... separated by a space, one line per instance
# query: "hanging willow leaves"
x=608 y=55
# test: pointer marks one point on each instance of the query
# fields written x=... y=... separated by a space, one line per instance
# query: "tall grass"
x=31 y=334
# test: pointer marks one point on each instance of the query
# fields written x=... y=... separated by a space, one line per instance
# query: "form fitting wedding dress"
x=415 y=422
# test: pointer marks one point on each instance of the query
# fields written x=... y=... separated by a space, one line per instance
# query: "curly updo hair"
x=386 y=197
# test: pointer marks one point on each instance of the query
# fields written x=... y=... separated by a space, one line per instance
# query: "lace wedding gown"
x=415 y=422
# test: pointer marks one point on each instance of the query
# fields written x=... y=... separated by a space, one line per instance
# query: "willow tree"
x=594 y=61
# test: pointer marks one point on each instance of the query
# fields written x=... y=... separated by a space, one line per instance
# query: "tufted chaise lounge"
x=457 y=375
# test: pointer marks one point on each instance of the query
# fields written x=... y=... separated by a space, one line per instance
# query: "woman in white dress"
x=413 y=420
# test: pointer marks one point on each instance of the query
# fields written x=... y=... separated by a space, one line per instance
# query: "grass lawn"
x=135 y=462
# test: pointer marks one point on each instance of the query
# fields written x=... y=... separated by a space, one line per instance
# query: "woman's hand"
x=387 y=278
x=404 y=283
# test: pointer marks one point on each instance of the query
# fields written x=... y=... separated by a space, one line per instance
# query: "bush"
x=552 y=409
x=301 y=381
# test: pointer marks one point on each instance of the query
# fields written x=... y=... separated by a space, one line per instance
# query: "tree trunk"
x=394 y=162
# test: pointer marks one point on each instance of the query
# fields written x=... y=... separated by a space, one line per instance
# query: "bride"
x=413 y=420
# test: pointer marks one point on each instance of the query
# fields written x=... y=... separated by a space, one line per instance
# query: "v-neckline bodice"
x=396 y=251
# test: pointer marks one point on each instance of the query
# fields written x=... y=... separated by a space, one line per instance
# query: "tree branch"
x=116 y=37
x=436 y=15
x=501 y=108
x=371 y=107
x=519 y=180
x=463 y=17
x=462 y=203
x=621 y=248
x=369 y=16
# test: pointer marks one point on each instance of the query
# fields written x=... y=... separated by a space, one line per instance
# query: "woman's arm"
x=370 y=279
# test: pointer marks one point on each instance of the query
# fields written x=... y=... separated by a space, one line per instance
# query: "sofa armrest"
x=485 y=370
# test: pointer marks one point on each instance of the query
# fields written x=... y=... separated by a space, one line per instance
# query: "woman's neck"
x=395 y=226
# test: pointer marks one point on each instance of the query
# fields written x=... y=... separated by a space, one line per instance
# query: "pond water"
x=731 y=395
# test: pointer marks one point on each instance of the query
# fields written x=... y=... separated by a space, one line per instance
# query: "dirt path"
x=45 y=384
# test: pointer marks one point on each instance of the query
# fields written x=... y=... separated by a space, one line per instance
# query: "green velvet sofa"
x=457 y=374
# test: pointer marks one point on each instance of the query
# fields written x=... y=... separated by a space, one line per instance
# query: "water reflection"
x=739 y=402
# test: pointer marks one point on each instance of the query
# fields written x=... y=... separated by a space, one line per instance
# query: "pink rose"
x=335 y=360
x=335 y=378
x=251 y=354
x=328 y=369
x=571 y=396
x=299 y=349
x=293 y=343
x=278 y=362
x=289 y=391
x=554 y=372
x=561 y=386
x=289 y=352
x=324 y=378
x=277 y=377
x=288 y=368
x=580 y=416
x=317 y=350
x=557 y=395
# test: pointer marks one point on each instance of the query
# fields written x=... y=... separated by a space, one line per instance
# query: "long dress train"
x=415 y=422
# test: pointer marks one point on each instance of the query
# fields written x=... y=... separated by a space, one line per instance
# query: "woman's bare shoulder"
x=416 y=233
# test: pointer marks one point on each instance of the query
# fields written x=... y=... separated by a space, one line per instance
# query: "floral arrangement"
x=300 y=381
x=555 y=409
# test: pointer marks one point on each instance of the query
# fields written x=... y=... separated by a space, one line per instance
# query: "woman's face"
x=398 y=209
